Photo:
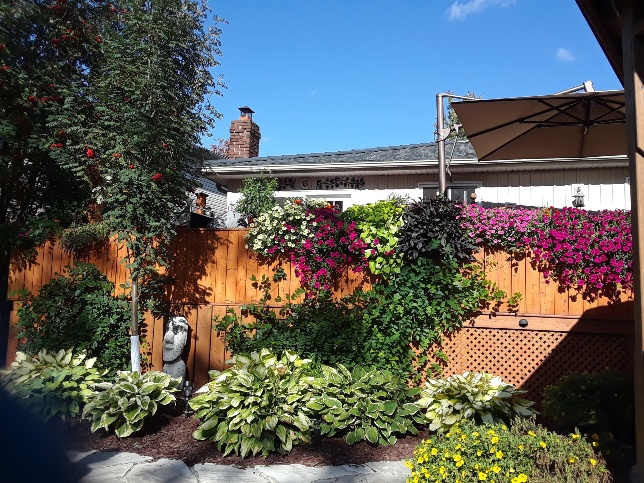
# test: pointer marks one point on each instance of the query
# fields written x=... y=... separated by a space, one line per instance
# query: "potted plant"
x=258 y=196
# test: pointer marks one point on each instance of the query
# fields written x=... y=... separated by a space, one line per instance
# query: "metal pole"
x=440 y=144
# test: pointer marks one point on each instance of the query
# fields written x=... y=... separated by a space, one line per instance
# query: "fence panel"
x=210 y=273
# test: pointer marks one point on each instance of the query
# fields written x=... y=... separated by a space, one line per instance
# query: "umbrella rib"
x=520 y=120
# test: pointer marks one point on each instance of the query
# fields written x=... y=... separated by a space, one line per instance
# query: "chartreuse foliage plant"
x=362 y=404
x=258 y=406
x=54 y=385
x=522 y=452
x=127 y=402
x=379 y=225
x=77 y=309
x=477 y=396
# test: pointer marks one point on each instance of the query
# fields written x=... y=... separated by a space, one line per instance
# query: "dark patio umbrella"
x=586 y=125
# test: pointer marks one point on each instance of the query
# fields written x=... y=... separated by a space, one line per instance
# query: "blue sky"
x=349 y=74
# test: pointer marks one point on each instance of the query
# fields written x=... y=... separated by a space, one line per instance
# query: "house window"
x=331 y=197
x=455 y=192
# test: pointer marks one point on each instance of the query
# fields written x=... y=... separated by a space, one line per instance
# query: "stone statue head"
x=175 y=338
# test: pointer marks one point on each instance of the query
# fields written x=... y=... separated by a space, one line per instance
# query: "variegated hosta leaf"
x=54 y=385
x=258 y=405
x=130 y=400
x=471 y=395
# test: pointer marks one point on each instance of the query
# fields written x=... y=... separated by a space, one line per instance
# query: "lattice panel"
x=533 y=360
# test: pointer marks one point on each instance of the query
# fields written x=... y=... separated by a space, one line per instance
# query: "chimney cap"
x=246 y=111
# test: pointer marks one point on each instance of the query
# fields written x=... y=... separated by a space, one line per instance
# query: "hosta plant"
x=126 y=403
x=55 y=385
x=480 y=396
x=258 y=406
x=364 y=404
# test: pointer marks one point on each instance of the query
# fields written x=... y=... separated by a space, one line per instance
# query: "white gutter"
x=423 y=164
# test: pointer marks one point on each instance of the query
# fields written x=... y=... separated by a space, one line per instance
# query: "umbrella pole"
x=440 y=142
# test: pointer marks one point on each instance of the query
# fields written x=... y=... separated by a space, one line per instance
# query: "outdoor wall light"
x=523 y=323
x=187 y=394
x=578 y=199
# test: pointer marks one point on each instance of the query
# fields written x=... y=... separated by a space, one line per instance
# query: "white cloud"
x=564 y=54
x=459 y=10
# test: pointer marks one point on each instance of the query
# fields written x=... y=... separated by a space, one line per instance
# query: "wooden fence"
x=211 y=272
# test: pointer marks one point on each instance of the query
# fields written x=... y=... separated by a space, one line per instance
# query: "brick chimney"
x=244 y=136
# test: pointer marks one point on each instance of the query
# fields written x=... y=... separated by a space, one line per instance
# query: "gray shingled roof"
x=410 y=152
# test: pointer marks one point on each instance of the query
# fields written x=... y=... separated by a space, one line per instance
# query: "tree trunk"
x=5 y=305
x=135 y=351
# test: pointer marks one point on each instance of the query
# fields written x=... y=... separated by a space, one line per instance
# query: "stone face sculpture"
x=174 y=341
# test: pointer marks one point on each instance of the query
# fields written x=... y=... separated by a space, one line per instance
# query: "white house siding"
x=604 y=188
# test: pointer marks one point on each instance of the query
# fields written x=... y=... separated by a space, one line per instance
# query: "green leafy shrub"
x=379 y=225
x=258 y=406
x=321 y=329
x=78 y=310
x=54 y=385
x=127 y=402
x=369 y=405
x=258 y=196
x=478 y=396
x=83 y=238
x=432 y=229
x=592 y=402
x=524 y=452
x=417 y=306
x=600 y=405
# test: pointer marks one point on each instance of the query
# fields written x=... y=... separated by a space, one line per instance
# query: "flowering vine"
x=586 y=251
x=313 y=237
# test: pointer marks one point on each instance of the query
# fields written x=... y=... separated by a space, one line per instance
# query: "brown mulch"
x=168 y=434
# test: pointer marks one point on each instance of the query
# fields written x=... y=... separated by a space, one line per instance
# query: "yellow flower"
x=572 y=459
x=575 y=436
x=521 y=447
x=457 y=457
x=476 y=434
x=542 y=444
x=595 y=436
x=409 y=464
x=496 y=468
x=482 y=476
x=499 y=454
x=531 y=433
x=442 y=471
x=495 y=440
x=593 y=461
x=434 y=452
x=463 y=437
x=478 y=453
x=460 y=463
x=595 y=444
x=491 y=432
x=458 y=446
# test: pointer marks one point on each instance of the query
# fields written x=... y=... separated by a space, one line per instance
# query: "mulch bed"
x=168 y=434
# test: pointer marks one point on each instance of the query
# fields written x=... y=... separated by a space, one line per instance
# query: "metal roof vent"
x=246 y=111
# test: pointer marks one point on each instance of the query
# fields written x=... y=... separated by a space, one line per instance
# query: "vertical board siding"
x=210 y=274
